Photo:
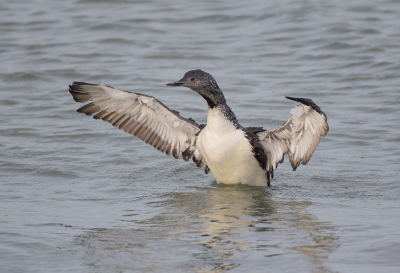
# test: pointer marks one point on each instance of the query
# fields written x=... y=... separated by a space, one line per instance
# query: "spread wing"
x=142 y=116
x=298 y=137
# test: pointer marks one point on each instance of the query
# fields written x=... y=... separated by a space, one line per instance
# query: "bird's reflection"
x=228 y=214
x=234 y=215
x=215 y=229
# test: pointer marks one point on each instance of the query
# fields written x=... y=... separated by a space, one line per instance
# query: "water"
x=77 y=195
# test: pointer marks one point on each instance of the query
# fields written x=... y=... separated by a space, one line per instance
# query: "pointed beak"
x=178 y=83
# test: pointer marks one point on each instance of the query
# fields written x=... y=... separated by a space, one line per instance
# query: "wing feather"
x=142 y=116
x=298 y=137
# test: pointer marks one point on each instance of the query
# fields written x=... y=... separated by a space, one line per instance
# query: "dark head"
x=204 y=84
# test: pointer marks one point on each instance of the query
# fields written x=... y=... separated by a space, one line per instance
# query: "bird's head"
x=202 y=83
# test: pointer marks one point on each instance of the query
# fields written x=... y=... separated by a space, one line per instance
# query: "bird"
x=234 y=154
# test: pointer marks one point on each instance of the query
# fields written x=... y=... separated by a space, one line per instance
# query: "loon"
x=234 y=154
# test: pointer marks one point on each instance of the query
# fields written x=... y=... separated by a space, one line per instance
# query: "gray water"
x=78 y=195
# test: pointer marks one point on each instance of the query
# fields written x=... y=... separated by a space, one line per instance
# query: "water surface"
x=77 y=195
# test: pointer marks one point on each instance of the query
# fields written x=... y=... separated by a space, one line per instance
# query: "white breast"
x=228 y=153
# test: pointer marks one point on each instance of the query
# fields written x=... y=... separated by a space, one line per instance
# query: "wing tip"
x=308 y=102
x=78 y=93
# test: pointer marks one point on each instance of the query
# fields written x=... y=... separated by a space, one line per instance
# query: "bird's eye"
x=192 y=79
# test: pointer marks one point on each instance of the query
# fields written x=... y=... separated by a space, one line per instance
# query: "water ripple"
x=124 y=206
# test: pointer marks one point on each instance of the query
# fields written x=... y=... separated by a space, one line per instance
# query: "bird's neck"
x=219 y=115
x=214 y=97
